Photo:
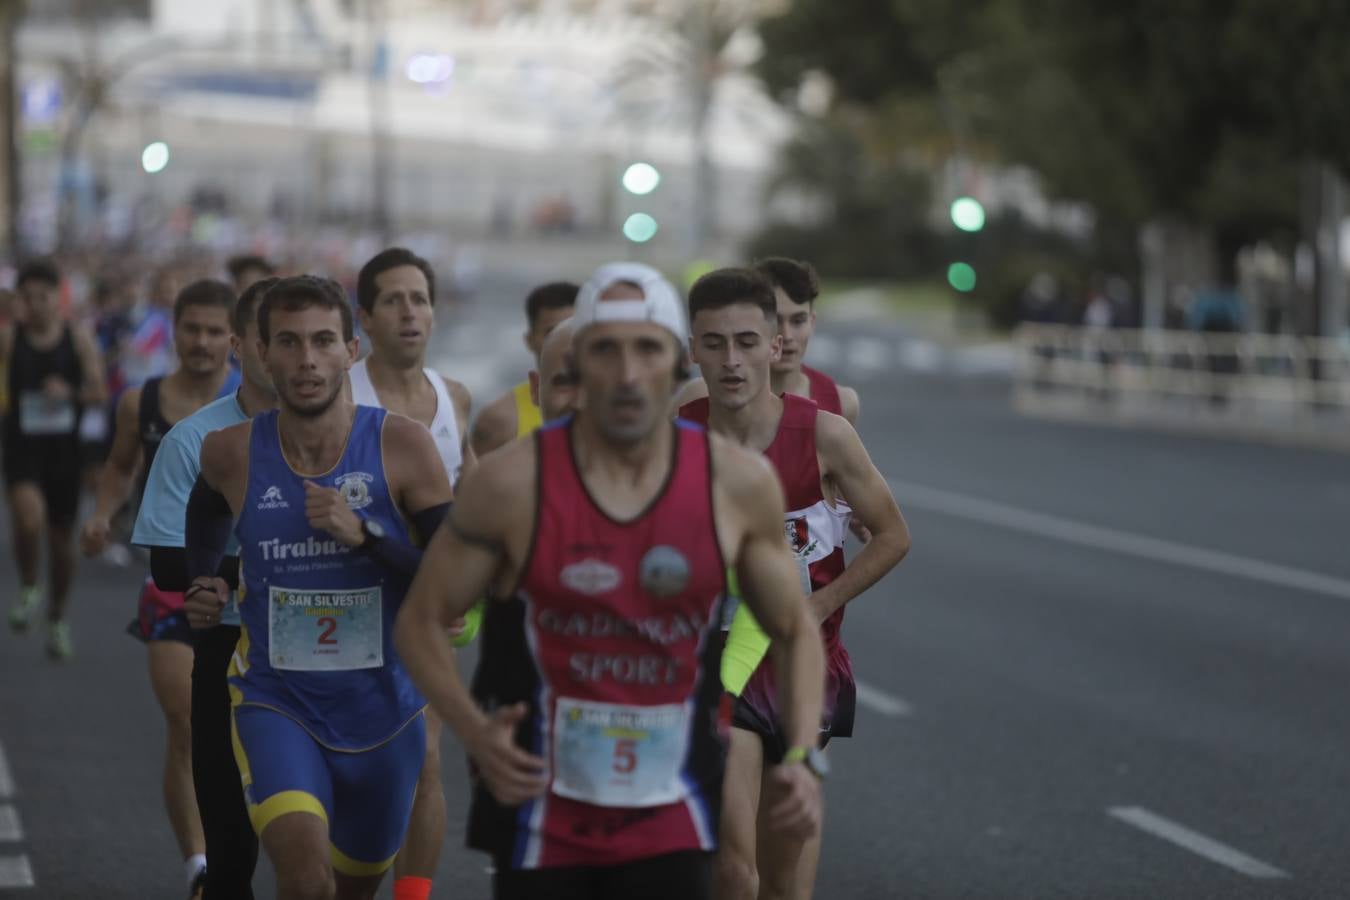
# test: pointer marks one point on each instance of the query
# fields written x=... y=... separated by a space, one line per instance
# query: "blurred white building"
x=498 y=115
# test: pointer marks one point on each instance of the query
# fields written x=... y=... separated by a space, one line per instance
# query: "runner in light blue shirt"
x=231 y=845
x=177 y=464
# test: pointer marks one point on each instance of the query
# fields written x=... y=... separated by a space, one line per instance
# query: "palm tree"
x=687 y=73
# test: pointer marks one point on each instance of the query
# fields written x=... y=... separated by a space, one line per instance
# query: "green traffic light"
x=967 y=214
x=961 y=276
x=639 y=228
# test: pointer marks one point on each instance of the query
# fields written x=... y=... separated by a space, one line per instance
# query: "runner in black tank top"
x=144 y=415
x=152 y=426
x=54 y=372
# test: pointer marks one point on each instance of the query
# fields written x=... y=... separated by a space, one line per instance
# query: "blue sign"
x=41 y=101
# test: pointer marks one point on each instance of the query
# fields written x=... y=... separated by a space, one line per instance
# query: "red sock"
x=410 y=887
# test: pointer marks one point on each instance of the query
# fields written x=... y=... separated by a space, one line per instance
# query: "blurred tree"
x=688 y=74
x=1150 y=110
x=868 y=212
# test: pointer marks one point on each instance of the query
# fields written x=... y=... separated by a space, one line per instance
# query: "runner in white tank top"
x=395 y=295
x=444 y=427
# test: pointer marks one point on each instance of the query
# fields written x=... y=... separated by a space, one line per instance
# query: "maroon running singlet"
x=815 y=531
x=824 y=390
x=609 y=638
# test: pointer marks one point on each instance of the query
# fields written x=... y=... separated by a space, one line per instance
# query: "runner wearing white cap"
x=604 y=542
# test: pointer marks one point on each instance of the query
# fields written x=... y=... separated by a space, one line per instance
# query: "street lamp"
x=641 y=179
x=155 y=157
x=967 y=214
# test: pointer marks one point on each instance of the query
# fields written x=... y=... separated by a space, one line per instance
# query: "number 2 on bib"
x=329 y=625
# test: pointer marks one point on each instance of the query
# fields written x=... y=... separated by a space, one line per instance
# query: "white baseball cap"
x=660 y=303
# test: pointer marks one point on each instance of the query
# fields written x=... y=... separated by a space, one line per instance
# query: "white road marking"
x=879 y=701
x=985 y=359
x=6 y=776
x=921 y=356
x=1195 y=842
x=823 y=350
x=11 y=829
x=917 y=496
x=16 y=872
x=871 y=354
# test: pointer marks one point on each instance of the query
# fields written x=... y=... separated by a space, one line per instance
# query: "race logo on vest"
x=272 y=499
x=355 y=488
x=797 y=533
x=664 y=571
x=591 y=577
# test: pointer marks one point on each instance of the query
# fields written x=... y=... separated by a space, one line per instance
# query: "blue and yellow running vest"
x=318 y=617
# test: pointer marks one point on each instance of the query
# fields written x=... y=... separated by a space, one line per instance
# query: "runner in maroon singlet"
x=821 y=463
x=795 y=288
x=596 y=736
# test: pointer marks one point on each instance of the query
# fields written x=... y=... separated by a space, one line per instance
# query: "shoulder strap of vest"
x=696 y=411
x=799 y=412
x=824 y=390
x=445 y=404
x=149 y=410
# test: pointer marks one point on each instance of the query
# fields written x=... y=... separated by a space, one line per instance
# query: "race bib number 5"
x=323 y=631
x=622 y=756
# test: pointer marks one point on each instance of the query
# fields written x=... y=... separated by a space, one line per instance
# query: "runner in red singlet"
x=594 y=725
x=821 y=463
x=795 y=288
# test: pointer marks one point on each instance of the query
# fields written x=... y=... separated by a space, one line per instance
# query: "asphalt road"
x=1091 y=620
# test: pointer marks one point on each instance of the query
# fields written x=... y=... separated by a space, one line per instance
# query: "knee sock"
x=410 y=887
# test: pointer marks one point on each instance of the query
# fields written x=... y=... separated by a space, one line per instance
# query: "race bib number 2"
x=622 y=756
x=324 y=631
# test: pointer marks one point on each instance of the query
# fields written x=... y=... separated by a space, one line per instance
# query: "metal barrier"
x=1280 y=387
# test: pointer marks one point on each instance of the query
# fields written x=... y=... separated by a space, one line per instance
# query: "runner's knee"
x=27 y=511
x=179 y=730
x=306 y=879
x=430 y=776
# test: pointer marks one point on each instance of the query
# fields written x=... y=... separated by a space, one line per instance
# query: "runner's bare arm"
x=463 y=401
x=93 y=392
x=417 y=478
x=748 y=490
x=848 y=400
x=844 y=461
x=224 y=458
x=119 y=473
x=418 y=485
x=693 y=389
x=479 y=544
x=495 y=427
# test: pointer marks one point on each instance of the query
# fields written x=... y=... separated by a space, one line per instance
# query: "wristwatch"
x=373 y=532
x=812 y=757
